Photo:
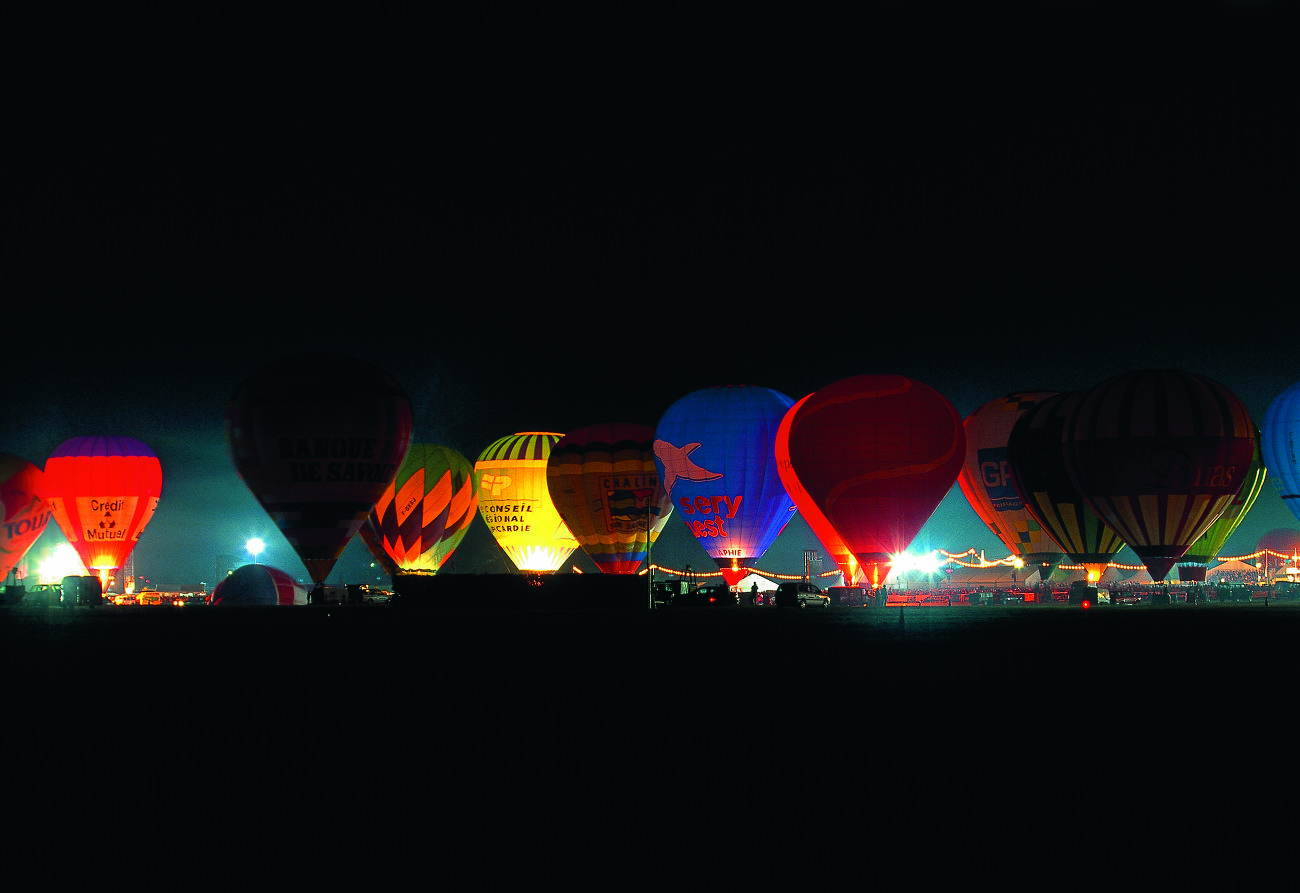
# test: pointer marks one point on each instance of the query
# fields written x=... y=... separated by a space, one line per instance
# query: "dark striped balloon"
x=1159 y=454
x=1037 y=464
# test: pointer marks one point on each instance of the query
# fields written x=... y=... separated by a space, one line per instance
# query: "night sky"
x=548 y=245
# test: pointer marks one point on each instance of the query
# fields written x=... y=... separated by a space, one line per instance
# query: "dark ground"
x=723 y=742
x=942 y=679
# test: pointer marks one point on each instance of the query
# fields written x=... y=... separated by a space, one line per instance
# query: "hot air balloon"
x=317 y=439
x=1037 y=464
x=423 y=514
x=808 y=509
x=1194 y=564
x=877 y=454
x=1281 y=445
x=103 y=492
x=25 y=510
x=985 y=479
x=258 y=584
x=1159 y=454
x=714 y=449
x=516 y=504
x=605 y=484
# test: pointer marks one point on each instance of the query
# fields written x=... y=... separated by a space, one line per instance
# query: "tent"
x=1232 y=566
x=747 y=582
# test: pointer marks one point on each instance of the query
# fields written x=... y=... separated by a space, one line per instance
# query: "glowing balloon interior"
x=103 y=492
x=714 y=449
x=26 y=513
x=317 y=439
x=1159 y=454
x=516 y=504
x=877 y=454
x=424 y=513
x=605 y=484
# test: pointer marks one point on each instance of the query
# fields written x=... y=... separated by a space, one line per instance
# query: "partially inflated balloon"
x=1037 y=463
x=985 y=479
x=1194 y=564
x=808 y=508
x=25 y=510
x=606 y=487
x=516 y=504
x=715 y=452
x=1281 y=446
x=423 y=514
x=103 y=492
x=1159 y=454
x=259 y=584
x=317 y=439
x=877 y=454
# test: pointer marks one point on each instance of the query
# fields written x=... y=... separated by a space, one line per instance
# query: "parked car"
x=713 y=595
x=663 y=592
x=801 y=595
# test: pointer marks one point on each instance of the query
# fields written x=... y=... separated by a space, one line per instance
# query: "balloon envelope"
x=259 y=584
x=1281 y=445
x=423 y=514
x=985 y=479
x=808 y=508
x=1195 y=563
x=1159 y=454
x=605 y=484
x=317 y=439
x=1037 y=463
x=516 y=503
x=103 y=492
x=877 y=454
x=715 y=451
x=24 y=508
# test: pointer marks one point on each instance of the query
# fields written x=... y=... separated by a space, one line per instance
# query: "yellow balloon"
x=515 y=501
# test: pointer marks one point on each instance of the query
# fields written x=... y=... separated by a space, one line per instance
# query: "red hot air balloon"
x=317 y=439
x=1159 y=454
x=877 y=454
x=605 y=485
x=1037 y=463
x=103 y=492
x=986 y=481
x=808 y=509
x=25 y=510
x=424 y=513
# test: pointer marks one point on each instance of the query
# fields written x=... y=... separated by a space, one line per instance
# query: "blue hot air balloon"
x=715 y=451
x=1281 y=445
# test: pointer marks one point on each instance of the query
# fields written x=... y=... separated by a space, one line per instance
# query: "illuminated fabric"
x=606 y=486
x=877 y=454
x=103 y=492
x=985 y=480
x=715 y=451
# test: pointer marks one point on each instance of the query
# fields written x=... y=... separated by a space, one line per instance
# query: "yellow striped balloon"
x=515 y=501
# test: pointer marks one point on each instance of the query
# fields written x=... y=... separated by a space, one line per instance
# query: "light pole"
x=254 y=547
